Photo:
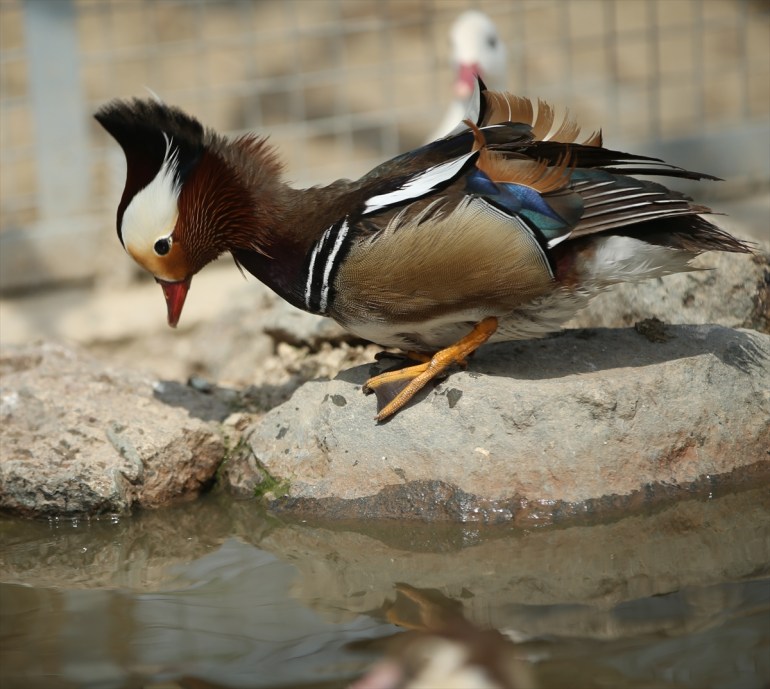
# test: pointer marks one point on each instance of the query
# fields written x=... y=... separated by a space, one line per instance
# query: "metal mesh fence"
x=340 y=85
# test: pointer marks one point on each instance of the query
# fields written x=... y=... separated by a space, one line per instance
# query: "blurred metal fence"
x=343 y=84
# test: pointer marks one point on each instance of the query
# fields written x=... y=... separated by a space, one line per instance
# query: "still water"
x=216 y=593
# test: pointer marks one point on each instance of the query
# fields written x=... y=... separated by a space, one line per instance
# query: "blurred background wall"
x=340 y=85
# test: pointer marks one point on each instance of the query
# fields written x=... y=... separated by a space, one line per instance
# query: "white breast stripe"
x=419 y=185
x=330 y=263
x=311 y=268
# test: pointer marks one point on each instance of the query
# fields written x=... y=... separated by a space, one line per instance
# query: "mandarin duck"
x=500 y=231
x=443 y=648
x=476 y=51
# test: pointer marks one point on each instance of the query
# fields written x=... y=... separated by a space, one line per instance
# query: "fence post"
x=62 y=245
x=60 y=120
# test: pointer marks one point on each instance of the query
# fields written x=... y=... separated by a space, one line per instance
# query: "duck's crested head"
x=189 y=194
x=162 y=146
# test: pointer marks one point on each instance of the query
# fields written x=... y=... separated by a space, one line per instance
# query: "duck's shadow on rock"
x=563 y=354
x=209 y=404
x=592 y=350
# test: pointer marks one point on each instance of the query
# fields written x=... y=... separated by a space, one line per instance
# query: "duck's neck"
x=296 y=221
x=274 y=239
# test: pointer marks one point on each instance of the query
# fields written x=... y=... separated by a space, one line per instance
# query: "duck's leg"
x=423 y=609
x=408 y=355
x=398 y=387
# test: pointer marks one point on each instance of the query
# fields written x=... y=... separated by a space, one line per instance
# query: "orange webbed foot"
x=394 y=389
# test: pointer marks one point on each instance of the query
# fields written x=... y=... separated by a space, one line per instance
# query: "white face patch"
x=153 y=212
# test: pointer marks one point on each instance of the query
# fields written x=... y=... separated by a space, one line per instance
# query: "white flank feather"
x=625 y=259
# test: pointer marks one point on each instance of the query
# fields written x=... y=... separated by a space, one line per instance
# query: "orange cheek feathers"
x=172 y=267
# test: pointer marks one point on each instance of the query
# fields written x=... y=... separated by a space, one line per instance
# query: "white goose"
x=476 y=50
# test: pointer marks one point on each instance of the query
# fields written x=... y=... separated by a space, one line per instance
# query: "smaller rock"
x=79 y=438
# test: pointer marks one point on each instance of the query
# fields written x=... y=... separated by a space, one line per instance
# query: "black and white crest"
x=151 y=134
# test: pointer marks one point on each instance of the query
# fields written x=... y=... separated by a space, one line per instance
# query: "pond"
x=217 y=593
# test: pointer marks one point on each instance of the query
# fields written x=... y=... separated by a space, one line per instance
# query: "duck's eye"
x=491 y=41
x=162 y=246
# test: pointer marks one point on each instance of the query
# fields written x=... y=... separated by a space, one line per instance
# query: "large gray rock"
x=586 y=421
x=82 y=439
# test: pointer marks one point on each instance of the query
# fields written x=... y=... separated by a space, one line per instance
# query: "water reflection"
x=445 y=649
x=226 y=617
x=217 y=594
x=702 y=637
